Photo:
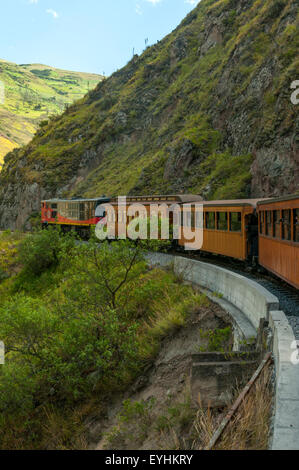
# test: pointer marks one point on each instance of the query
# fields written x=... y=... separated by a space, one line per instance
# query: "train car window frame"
x=210 y=220
x=187 y=219
x=219 y=222
x=276 y=224
x=268 y=223
x=192 y=219
x=238 y=222
x=198 y=220
x=287 y=225
x=296 y=225
x=262 y=222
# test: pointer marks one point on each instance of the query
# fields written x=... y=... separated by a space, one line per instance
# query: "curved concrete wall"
x=256 y=303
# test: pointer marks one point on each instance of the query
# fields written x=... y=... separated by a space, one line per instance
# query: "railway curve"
x=287 y=295
x=256 y=303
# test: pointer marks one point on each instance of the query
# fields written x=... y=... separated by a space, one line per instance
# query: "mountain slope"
x=32 y=93
x=207 y=110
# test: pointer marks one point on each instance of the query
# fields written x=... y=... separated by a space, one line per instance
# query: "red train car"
x=279 y=237
x=74 y=214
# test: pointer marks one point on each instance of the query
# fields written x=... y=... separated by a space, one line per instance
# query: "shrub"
x=42 y=250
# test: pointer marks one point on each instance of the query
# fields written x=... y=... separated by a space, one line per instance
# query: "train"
x=264 y=231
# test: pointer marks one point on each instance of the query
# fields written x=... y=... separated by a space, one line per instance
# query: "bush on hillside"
x=42 y=250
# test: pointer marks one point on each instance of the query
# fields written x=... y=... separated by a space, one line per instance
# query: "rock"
x=213 y=38
x=121 y=119
x=181 y=155
x=179 y=48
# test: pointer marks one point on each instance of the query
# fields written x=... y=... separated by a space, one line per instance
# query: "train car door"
x=252 y=237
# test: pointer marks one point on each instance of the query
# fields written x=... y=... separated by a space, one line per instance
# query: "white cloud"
x=33 y=1
x=138 y=9
x=154 y=2
x=52 y=12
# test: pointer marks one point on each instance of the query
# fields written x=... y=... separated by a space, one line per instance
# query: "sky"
x=85 y=35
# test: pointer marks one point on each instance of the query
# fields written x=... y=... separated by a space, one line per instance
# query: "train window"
x=210 y=220
x=222 y=221
x=286 y=225
x=54 y=206
x=187 y=219
x=296 y=225
x=102 y=212
x=176 y=219
x=91 y=210
x=268 y=223
x=82 y=211
x=198 y=219
x=54 y=215
x=276 y=224
x=262 y=222
x=192 y=219
x=235 y=222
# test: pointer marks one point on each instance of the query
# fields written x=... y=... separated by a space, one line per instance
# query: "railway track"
x=287 y=295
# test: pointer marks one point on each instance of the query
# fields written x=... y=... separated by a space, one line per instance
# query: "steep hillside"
x=207 y=110
x=32 y=93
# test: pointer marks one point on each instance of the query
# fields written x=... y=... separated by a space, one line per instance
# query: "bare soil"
x=163 y=418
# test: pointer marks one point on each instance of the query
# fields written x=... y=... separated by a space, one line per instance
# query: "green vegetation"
x=33 y=93
x=9 y=243
x=217 y=340
x=79 y=323
x=172 y=426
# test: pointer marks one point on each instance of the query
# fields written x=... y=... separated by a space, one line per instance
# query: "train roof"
x=104 y=199
x=279 y=199
x=232 y=202
x=180 y=198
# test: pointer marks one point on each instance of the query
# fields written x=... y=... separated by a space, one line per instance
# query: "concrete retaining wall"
x=286 y=416
x=256 y=303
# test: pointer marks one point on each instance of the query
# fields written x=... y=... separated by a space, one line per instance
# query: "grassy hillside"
x=206 y=110
x=32 y=93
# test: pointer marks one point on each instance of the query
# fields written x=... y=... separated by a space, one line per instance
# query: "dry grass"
x=64 y=432
x=249 y=428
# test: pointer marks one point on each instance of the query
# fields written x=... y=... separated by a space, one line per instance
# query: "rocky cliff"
x=206 y=110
